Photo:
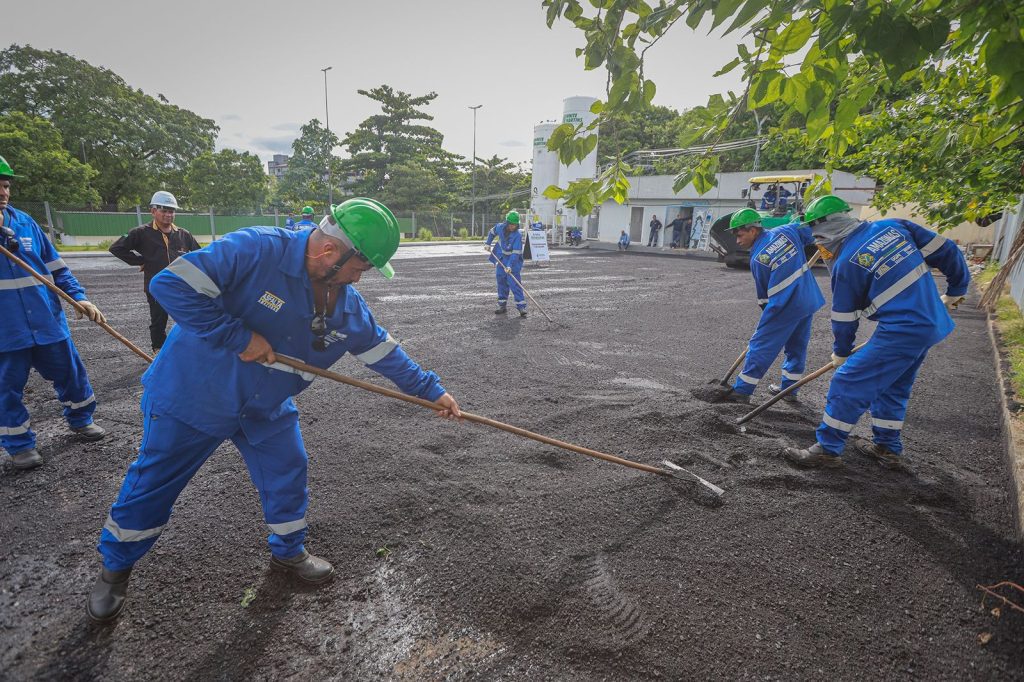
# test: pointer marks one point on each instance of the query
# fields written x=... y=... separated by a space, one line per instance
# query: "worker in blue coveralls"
x=307 y=219
x=623 y=241
x=34 y=333
x=239 y=302
x=880 y=271
x=788 y=295
x=507 y=257
x=289 y=222
x=775 y=193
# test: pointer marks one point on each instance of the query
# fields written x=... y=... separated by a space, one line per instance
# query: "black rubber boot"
x=775 y=389
x=90 y=432
x=522 y=313
x=109 y=595
x=882 y=455
x=813 y=457
x=27 y=459
x=305 y=567
x=501 y=310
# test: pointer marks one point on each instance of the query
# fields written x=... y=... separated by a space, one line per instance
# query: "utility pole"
x=472 y=200
x=757 y=149
x=327 y=123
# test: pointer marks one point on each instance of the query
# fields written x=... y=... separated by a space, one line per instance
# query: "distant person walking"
x=152 y=247
x=655 y=230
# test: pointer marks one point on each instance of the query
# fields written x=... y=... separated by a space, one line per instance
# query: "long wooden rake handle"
x=508 y=271
x=789 y=389
x=327 y=374
x=75 y=304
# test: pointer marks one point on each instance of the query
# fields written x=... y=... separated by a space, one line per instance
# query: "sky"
x=255 y=67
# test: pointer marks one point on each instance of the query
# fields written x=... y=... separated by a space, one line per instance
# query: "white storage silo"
x=576 y=111
x=545 y=173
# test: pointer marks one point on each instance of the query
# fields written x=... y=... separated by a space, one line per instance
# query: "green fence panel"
x=86 y=224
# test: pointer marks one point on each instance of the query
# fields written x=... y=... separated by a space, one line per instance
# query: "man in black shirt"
x=655 y=229
x=153 y=247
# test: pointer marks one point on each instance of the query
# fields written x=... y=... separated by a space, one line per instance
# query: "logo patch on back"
x=764 y=258
x=866 y=259
x=271 y=301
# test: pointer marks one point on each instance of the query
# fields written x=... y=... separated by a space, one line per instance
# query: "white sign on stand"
x=538 y=245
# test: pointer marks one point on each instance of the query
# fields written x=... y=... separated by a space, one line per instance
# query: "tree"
x=305 y=181
x=800 y=55
x=499 y=179
x=228 y=181
x=35 y=150
x=415 y=186
x=133 y=140
x=392 y=138
x=650 y=127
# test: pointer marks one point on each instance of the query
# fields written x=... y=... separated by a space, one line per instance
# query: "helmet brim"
x=387 y=270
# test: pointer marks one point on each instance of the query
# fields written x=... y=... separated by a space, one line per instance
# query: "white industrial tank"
x=545 y=173
x=576 y=111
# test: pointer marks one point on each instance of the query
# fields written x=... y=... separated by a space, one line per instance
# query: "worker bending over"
x=880 y=271
x=788 y=295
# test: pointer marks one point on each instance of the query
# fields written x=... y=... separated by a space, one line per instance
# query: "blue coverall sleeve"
x=848 y=294
x=491 y=235
x=943 y=254
x=189 y=289
x=762 y=275
x=62 y=276
x=379 y=351
x=806 y=237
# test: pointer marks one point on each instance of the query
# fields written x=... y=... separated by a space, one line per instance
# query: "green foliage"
x=134 y=141
x=392 y=142
x=305 y=181
x=800 y=57
x=424 y=234
x=228 y=181
x=463 y=233
x=35 y=150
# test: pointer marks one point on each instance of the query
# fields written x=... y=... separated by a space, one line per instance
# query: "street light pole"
x=327 y=122
x=757 y=149
x=473 y=195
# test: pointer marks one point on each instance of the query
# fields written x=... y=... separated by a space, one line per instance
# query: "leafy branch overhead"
x=843 y=71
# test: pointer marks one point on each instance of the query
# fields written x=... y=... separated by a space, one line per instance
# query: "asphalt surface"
x=464 y=551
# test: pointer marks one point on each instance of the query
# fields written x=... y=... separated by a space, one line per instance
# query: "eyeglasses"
x=318 y=327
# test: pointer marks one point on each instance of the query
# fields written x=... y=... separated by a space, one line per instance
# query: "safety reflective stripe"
x=890 y=424
x=75 y=406
x=194 y=277
x=55 y=265
x=128 y=535
x=789 y=280
x=22 y=282
x=791 y=376
x=933 y=246
x=15 y=430
x=308 y=376
x=378 y=352
x=762 y=300
x=895 y=290
x=845 y=317
x=836 y=424
x=287 y=527
x=748 y=379
x=517 y=251
x=502 y=301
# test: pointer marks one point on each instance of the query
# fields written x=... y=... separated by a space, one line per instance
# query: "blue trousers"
x=505 y=283
x=878 y=378
x=768 y=339
x=59 y=364
x=171 y=454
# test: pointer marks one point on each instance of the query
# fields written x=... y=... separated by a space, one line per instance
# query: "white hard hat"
x=163 y=198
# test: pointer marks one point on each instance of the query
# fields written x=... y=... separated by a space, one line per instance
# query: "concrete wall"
x=1006 y=229
x=964 y=233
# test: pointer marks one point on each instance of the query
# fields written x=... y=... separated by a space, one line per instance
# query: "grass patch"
x=985 y=277
x=1010 y=324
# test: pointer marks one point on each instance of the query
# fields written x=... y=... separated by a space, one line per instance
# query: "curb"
x=1013 y=432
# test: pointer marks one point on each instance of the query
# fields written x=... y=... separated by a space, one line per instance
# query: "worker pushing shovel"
x=507 y=255
x=262 y=312
x=788 y=295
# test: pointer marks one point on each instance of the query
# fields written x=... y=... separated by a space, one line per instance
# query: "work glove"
x=838 y=360
x=951 y=302
x=91 y=311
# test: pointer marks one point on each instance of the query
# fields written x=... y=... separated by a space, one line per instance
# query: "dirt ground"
x=464 y=551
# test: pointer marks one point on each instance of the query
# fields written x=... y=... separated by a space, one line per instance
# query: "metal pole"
x=49 y=223
x=757 y=149
x=472 y=200
x=276 y=223
x=327 y=123
x=138 y=213
x=213 y=228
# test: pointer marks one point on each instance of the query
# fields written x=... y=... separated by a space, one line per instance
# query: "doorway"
x=636 y=224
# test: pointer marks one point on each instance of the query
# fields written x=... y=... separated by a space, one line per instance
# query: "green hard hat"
x=512 y=217
x=744 y=218
x=825 y=206
x=5 y=169
x=307 y=210
x=372 y=228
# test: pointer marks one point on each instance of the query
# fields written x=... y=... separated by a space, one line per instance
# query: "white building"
x=652 y=195
x=278 y=167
